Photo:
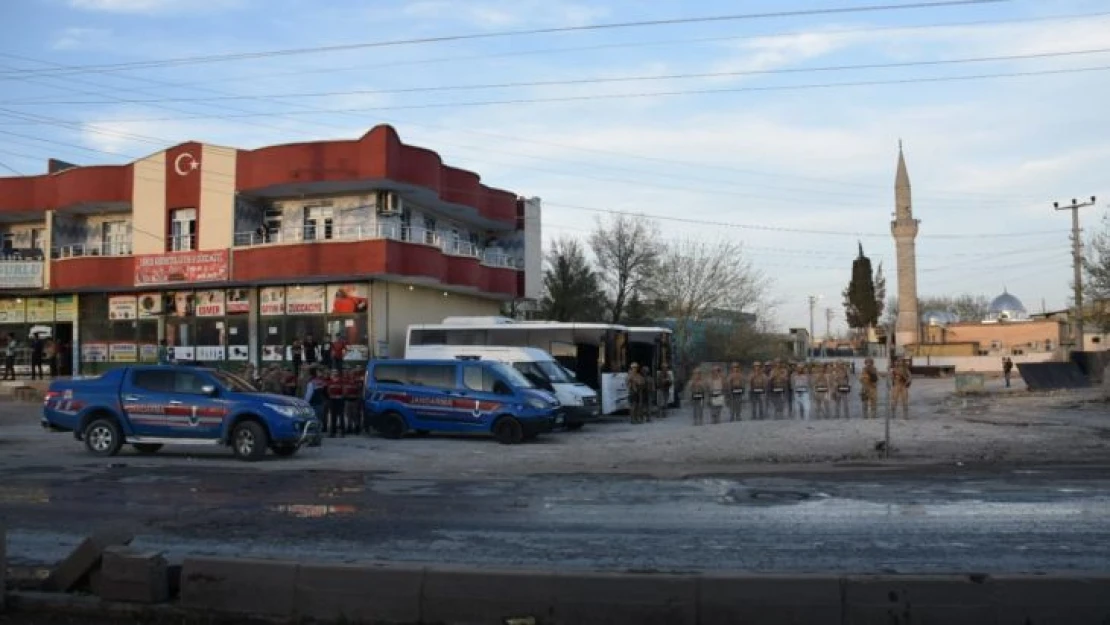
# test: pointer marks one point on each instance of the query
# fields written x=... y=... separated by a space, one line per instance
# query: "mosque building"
x=1007 y=329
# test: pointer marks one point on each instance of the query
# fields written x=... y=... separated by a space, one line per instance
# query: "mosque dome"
x=1006 y=307
x=939 y=318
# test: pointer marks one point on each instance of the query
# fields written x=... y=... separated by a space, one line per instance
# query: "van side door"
x=485 y=392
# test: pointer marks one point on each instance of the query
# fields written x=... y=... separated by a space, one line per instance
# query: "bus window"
x=427 y=337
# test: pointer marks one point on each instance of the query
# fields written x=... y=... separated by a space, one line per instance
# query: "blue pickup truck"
x=151 y=406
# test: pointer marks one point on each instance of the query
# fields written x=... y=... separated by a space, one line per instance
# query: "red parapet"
x=500 y=280
x=92 y=272
x=464 y=271
x=309 y=261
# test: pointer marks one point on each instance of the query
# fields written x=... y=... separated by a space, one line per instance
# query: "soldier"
x=900 y=388
x=663 y=384
x=758 y=388
x=869 y=389
x=636 y=389
x=697 y=396
x=842 y=383
x=800 y=382
x=821 y=385
x=316 y=394
x=352 y=396
x=716 y=395
x=780 y=381
x=649 y=393
x=735 y=392
x=337 y=420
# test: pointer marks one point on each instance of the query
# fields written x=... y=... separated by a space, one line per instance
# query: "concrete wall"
x=1002 y=339
x=148 y=201
x=393 y=307
x=412 y=594
x=987 y=364
x=217 y=197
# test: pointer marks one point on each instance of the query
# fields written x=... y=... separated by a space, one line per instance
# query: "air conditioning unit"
x=389 y=204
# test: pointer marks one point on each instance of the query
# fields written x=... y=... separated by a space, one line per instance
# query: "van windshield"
x=512 y=376
x=554 y=372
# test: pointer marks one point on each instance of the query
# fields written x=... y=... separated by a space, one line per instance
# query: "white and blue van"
x=457 y=396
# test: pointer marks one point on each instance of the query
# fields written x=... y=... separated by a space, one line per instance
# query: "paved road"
x=860 y=521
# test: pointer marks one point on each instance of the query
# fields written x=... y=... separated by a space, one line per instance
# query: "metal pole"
x=889 y=404
x=809 y=343
x=1077 y=265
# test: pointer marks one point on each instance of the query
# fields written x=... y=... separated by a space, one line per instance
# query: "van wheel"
x=102 y=437
x=147 y=448
x=284 y=450
x=392 y=425
x=508 y=431
x=248 y=441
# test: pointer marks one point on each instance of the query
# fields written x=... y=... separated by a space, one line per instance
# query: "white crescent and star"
x=185 y=163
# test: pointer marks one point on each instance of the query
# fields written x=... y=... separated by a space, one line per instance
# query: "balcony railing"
x=20 y=253
x=79 y=250
x=392 y=232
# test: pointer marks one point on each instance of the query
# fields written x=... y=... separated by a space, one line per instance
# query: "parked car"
x=150 y=406
x=467 y=396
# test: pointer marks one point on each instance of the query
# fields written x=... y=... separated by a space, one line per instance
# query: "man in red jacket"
x=335 y=405
x=351 y=396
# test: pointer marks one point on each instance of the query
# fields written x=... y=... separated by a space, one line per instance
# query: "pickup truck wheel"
x=575 y=426
x=392 y=425
x=147 y=448
x=283 y=450
x=103 y=437
x=248 y=441
x=508 y=431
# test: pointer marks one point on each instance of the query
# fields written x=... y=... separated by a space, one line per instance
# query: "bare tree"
x=626 y=248
x=571 y=288
x=696 y=279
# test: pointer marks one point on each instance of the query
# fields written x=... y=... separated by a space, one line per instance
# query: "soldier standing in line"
x=636 y=388
x=869 y=389
x=337 y=419
x=900 y=388
x=842 y=383
x=780 y=380
x=758 y=389
x=352 y=398
x=663 y=390
x=716 y=395
x=649 y=393
x=821 y=384
x=735 y=392
x=697 y=396
x=799 y=383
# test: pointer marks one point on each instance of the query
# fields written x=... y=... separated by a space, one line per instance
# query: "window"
x=9 y=240
x=391 y=374
x=38 y=238
x=234 y=383
x=187 y=382
x=482 y=379
x=318 y=221
x=183 y=229
x=428 y=337
x=434 y=376
x=155 y=381
x=430 y=230
x=114 y=238
x=406 y=224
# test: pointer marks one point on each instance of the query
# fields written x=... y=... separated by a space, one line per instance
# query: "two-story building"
x=231 y=255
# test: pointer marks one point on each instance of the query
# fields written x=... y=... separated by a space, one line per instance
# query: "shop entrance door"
x=63 y=348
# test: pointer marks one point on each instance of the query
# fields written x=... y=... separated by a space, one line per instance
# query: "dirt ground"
x=998 y=426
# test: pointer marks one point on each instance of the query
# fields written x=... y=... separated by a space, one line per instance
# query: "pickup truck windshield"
x=234 y=383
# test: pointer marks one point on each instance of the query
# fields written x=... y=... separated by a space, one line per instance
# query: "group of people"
x=336 y=396
x=822 y=390
x=307 y=352
x=648 y=395
x=44 y=353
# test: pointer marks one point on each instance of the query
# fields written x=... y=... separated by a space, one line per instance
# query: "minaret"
x=904 y=229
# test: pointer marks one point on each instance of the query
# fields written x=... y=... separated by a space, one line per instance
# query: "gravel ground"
x=1000 y=425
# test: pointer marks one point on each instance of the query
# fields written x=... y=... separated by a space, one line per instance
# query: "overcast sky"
x=797 y=174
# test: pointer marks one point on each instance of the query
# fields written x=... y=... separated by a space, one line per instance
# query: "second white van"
x=578 y=401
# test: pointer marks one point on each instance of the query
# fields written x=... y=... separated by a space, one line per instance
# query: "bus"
x=597 y=353
x=653 y=347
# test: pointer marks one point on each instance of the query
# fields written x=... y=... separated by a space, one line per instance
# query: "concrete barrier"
x=896 y=600
x=1049 y=599
x=239 y=586
x=353 y=593
x=727 y=599
x=3 y=566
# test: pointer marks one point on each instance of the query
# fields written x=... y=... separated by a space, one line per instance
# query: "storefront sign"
x=238 y=352
x=207 y=353
x=150 y=305
x=122 y=308
x=238 y=301
x=346 y=299
x=40 y=310
x=94 y=352
x=65 y=308
x=123 y=352
x=21 y=274
x=148 y=352
x=306 y=300
x=181 y=353
x=210 y=303
x=272 y=300
x=13 y=310
x=272 y=353
x=181 y=267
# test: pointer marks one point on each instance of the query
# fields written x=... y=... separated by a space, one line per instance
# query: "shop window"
x=273 y=338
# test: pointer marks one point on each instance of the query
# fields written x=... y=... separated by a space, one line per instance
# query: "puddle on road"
x=306 y=511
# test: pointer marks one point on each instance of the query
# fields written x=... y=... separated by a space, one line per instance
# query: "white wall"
x=393 y=307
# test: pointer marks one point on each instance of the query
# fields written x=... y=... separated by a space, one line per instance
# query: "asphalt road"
x=936 y=520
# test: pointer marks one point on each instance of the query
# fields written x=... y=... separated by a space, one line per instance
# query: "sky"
x=759 y=128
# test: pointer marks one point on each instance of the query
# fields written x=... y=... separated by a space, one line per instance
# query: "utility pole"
x=812 y=306
x=1077 y=265
x=828 y=332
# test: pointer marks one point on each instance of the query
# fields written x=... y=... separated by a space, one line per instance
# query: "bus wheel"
x=392 y=425
x=508 y=431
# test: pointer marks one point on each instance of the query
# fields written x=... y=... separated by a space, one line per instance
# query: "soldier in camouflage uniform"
x=869 y=389
x=757 y=386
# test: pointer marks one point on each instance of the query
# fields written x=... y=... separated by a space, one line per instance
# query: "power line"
x=11 y=169
x=191 y=60
x=635 y=95
x=574 y=82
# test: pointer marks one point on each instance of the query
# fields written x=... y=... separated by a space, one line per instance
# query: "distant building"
x=1006 y=330
x=1096 y=316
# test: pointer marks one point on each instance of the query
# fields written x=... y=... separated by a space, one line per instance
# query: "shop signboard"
x=210 y=303
x=181 y=352
x=94 y=352
x=13 y=310
x=306 y=300
x=148 y=352
x=65 y=308
x=123 y=352
x=238 y=301
x=21 y=274
x=272 y=301
x=122 y=308
x=348 y=299
x=273 y=353
x=181 y=268
x=40 y=310
x=238 y=352
x=150 y=305
x=207 y=353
